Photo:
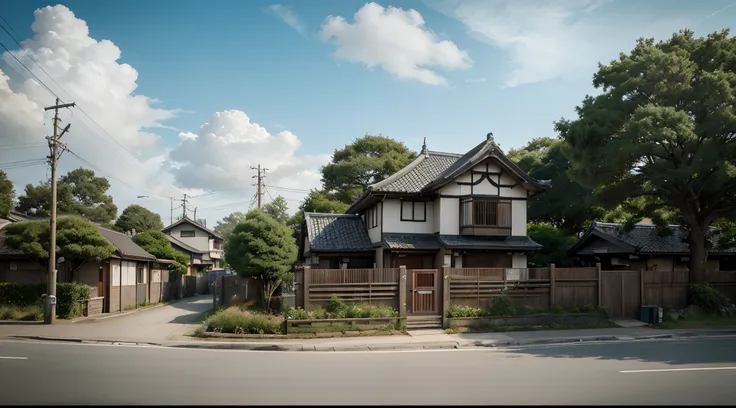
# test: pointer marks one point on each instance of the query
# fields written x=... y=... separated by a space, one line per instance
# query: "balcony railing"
x=485 y=217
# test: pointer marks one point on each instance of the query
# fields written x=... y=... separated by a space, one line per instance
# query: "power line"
x=289 y=189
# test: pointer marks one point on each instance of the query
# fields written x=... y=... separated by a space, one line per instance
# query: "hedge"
x=68 y=296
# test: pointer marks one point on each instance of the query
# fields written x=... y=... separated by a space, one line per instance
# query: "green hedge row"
x=68 y=296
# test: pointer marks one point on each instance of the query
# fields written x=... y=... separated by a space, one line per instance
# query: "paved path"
x=154 y=324
x=692 y=372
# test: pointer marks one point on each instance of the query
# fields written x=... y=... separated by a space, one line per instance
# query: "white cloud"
x=220 y=155
x=289 y=17
x=90 y=73
x=475 y=80
x=395 y=40
x=553 y=39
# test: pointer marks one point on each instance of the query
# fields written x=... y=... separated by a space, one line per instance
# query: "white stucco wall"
x=392 y=219
x=518 y=261
x=374 y=232
x=518 y=217
x=201 y=239
x=449 y=216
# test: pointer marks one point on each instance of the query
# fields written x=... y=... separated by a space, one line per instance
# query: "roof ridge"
x=323 y=214
x=438 y=153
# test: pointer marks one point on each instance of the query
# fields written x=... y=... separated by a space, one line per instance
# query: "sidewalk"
x=427 y=339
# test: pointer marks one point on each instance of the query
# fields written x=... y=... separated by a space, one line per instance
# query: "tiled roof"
x=514 y=243
x=336 y=233
x=646 y=238
x=183 y=245
x=124 y=244
x=410 y=241
x=417 y=174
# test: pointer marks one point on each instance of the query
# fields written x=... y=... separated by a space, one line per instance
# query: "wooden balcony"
x=485 y=217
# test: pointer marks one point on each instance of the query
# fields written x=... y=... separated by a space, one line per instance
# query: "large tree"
x=315 y=201
x=7 y=194
x=555 y=245
x=138 y=218
x=367 y=160
x=228 y=223
x=262 y=247
x=77 y=239
x=567 y=205
x=158 y=245
x=663 y=130
x=79 y=192
x=278 y=209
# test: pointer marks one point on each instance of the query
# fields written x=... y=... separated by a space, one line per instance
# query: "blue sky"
x=526 y=64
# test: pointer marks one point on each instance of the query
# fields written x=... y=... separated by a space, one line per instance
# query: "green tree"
x=555 y=244
x=228 y=223
x=79 y=192
x=7 y=194
x=77 y=239
x=262 y=247
x=367 y=160
x=663 y=130
x=278 y=209
x=138 y=218
x=157 y=244
x=567 y=205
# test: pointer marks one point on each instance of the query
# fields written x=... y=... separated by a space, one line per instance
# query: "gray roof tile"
x=410 y=241
x=124 y=244
x=646 y=239
x=417 y=174
x=513 y=243
x=336 y=233
x=183 y=245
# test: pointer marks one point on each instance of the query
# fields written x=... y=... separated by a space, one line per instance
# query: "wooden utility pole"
x=49 y=315
x=259 y=183
x=171 y=212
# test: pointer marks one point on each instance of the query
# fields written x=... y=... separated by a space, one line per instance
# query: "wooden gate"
x=621 y=293
x=424 y=291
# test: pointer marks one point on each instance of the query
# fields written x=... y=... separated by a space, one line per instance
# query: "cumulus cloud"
x=552 y=39
x=289 y=17
x=125 y=148
x=220 y=155
x=395 y=40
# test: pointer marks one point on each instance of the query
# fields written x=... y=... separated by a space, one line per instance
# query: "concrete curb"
x=305 y=346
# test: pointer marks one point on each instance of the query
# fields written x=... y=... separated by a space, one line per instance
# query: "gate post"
x=305 y=286
x=552 y=287
x=445 y=294
x=402 y=291
x=600 y=284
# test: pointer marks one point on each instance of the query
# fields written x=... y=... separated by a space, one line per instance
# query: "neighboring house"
x=645 y=248
x=203 y=244
x=119 y=282
x=461 y=210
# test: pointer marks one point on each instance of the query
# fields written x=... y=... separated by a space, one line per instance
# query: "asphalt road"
x=695 y=372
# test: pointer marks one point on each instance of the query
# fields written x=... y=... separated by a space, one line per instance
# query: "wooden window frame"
x=140 y=271
x=371 y=217
x=476 y=208
x=181 y=234
x=413 y=211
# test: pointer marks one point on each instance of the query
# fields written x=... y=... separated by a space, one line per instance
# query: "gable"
x=186 y=222
x=488 y=178
x=596 y=245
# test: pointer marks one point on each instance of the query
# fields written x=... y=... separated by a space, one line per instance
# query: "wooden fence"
x=315 y=287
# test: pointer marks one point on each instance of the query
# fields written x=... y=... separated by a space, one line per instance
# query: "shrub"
x=501 y=305
x=234 y=320
x=27 y=313
x=24 y=295
x=337 y=309
x=707 y=297
x=466 y=311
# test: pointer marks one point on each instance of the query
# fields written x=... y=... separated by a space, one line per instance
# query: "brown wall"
x=235 y=290
x=115 y=299
x=129 y=296
x=25 y=272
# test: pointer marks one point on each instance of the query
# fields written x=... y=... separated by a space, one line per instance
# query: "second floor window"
x=216 y=244
x=187 y=234
x=486 y=213
x=371 y=218
x=413 y=211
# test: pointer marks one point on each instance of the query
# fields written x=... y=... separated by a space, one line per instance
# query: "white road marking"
x=664 y=370
x=13 y=358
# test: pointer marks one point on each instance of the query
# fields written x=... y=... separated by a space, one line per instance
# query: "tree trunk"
x=698 y=254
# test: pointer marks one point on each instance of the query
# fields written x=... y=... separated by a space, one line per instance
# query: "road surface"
x=682 y=372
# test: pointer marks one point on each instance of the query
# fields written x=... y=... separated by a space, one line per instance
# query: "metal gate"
x=424 y=291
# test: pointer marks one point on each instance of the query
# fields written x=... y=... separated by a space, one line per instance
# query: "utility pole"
x=171 y=212
x=195 y=214
x=49 y=316
x=184 y=206
x=259 y=183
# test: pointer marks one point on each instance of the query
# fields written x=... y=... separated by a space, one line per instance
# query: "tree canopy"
x=228 y=223
x=567 y=205
x=7 y=194
x=157 y=244
x=77 y=239
x=315 y=201
x=79 y=192
x=555 y=244
x=138 y=218
x=278 y=209
x=260 y=246
x=662 y=131
x=367 y=160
